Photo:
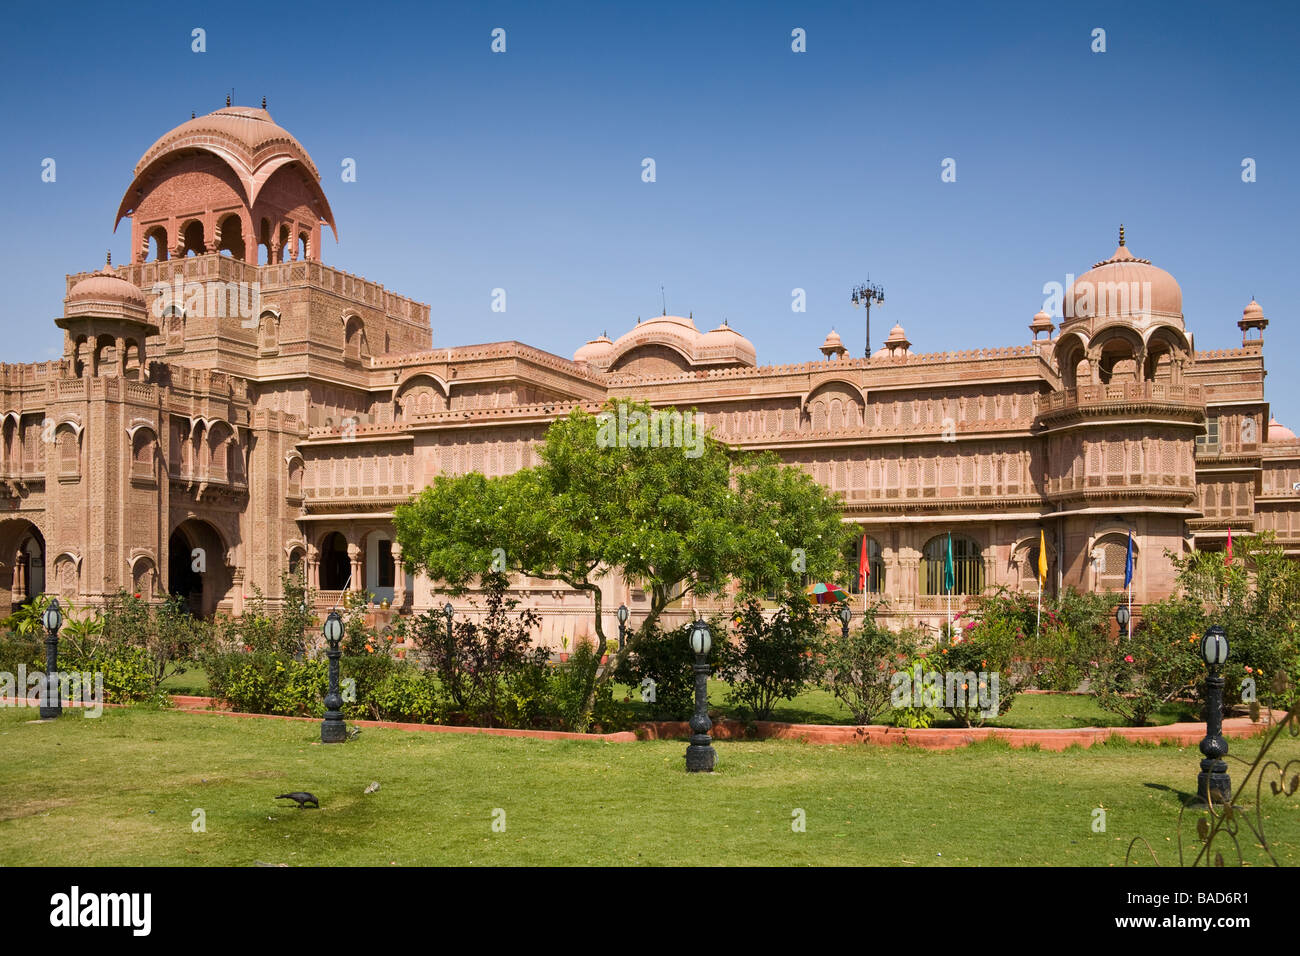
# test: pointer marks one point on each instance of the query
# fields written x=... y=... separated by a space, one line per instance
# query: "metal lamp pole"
x=52 y=703
x=864 y=295
x=700 y=755
x=1213 y=783
x=332 y=728
x=846 y=615
x=622 y=625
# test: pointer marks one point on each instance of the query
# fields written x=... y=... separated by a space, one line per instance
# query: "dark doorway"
x=335 y=566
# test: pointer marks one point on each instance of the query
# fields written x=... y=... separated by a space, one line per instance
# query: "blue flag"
x=949 y=580
x=1128 y=562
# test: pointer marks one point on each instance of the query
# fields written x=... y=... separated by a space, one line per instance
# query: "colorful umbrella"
x=823 y=593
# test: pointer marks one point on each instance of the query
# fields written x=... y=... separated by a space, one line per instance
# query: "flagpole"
x=1038 y=623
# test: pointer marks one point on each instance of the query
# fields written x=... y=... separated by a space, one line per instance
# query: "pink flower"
x=1128 y=658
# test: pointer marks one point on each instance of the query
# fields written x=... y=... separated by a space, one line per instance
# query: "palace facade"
x=228 y=407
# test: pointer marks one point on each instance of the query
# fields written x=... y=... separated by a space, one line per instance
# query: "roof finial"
x=227 y=99
x=263 y=102
x=108 y=258
x=192 y=114
x=1121 y=234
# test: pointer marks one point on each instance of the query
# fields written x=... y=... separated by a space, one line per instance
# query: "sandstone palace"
x=228 y=395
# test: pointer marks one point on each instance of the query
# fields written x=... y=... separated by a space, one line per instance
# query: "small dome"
x=1253 y=311
x=896 y=344
x=833 y=340
x=1041 y=320
x=726 y=338
x=595 y=351
x=105 y=294
x=1279 y=432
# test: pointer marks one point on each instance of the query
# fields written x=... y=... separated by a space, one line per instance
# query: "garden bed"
x=929 y=738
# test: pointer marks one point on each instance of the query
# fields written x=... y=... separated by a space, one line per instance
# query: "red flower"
x=1128 y=658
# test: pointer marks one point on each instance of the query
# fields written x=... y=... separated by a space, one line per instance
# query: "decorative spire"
x=264 y=102
x=191 y=114
x=108 y=258
x=227 y=99
x=1121 y=234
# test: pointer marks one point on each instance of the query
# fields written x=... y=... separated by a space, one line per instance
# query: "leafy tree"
x=671 y=520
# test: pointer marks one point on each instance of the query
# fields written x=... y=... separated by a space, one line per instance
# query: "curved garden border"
x=930 y=738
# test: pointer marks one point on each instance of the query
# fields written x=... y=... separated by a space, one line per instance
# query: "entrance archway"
x=196 y=566
x=22 y=561
x=335 y=565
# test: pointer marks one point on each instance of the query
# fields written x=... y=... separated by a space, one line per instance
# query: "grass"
x=1030 y=711
x=122 y=789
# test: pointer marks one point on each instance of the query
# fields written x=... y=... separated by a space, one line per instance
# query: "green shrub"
x=665 y=658
x=1160 y=663
x=859 y=671
x=770 y=658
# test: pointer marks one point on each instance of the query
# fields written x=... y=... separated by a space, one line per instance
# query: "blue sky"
x=775 y=170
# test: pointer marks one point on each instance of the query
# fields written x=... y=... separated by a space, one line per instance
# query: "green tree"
x=675 y=520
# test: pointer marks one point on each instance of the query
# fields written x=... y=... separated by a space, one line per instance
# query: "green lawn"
x=121 y=789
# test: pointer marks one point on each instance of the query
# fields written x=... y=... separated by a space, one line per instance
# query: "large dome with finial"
x=1124 y=286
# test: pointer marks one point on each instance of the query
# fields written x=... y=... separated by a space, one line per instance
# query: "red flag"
x=863 y=569
x=1228 y=559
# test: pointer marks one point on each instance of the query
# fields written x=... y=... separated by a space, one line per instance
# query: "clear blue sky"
x=775 y=170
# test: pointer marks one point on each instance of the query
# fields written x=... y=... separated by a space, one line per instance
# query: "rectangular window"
x=1209 y=442
x=385 y=576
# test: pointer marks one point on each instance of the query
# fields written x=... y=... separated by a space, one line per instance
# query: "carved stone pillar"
x=354 y=555
x=237 y=590
x=399 y=577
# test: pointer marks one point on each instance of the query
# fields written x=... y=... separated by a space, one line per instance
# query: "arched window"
x=967 y=565
x=156 y=244
x=1110 y=559
x=193 y=238
x=875 y=583
x=230 y=233
x=142 y=453
x=69 y=452
x=335 y=564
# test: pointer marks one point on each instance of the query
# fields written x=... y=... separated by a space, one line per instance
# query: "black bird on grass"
x=301 y=798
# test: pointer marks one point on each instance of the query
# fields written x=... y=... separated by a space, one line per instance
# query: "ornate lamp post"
x=1212 y=783
x=623 y=613
x=52 y=703
x=863 y=296
x=447 y=612
x=332 y=728
x=700 y=756
x=846 y=615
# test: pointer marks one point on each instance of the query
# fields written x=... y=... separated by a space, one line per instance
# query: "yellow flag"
x=1042 y=557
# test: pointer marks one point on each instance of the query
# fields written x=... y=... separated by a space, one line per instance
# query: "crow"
x=301 y=798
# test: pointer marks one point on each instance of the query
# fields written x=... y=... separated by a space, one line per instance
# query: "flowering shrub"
x=859 y=671
x=770 y=658
x=1159 y=664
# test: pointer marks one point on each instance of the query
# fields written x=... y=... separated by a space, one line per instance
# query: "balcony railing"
x=1122 y=392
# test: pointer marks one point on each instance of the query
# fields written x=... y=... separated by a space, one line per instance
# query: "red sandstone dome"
x=1124 y=285
x=246 y=140
x=1279 y=432
x=596 y=350
x=105 y=294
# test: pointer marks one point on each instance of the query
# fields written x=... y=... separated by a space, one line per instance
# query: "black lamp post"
x=332 y=728
x=846 y=615
x=52 y=703
x=864 y=295
x=622 y=625
x=1213 y=782
x=447 y=612
x=700 y=755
